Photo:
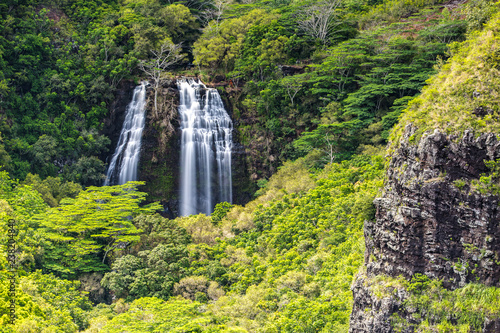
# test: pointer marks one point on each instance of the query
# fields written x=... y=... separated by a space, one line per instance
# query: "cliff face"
x=112 y=124
x=242 y=155
x=431 y=219
x=159 y=164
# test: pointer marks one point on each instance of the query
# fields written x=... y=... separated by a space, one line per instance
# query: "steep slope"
x=437 y=233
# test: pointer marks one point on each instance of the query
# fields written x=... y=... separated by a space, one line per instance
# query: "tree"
x=43 y=153
x=332 y=140
x=52 y=189
x=177 y=19
x=87 y=171
x=121 y=68
x=176 y=315
x=221 y=44
x=342 y=62
x=159 y=230
x=317 y=20
x=5 y=159
x=168 y=54
x=44 y=303
x=477 y=13
x=150 y=273
x=220 y=211
x=216 y=11
x=96 y=222
x=292 y=85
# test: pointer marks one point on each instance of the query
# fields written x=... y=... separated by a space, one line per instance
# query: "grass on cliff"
x=465 y=94
x=461 y=310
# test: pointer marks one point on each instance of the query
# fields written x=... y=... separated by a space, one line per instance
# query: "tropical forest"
x=238 y=166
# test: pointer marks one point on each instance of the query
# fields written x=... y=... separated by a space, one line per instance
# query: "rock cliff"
x=159 y=165
x=432 y=218
x=114 y=121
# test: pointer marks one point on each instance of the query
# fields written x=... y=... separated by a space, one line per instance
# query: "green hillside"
x=464 y=95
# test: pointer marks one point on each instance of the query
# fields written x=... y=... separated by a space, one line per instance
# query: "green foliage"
x=462 y=86
x=61 y=64
x=177 y=315
x=461 y=310
x=96 y=222
x=20 y=203
x=392 y=10
x=268 y=266
x=78 y=54
x=267 y=45
x=52 y=189
x=24 y=201
x=220 y=45
x=159 y=260
x=419 y=282
x=365 y=78
x=158 y=230
x=150 y=273
x=333 y=140
x=286 y=260
x=177 y=19
x=198 y=288
x=478 y=12
x=298 y=254
x=489 y=183
x=435 y=308
x=5 y=159
x=200 y=227
x=87 y=171
x=44 y=303
x=459 y=183
x=220 y=211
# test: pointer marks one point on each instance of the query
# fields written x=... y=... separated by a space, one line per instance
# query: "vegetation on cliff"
x=464 y=95
x=433 y=308
x=342 y=93
x=351 y=80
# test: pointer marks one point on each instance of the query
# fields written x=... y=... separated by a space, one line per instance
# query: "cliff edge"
x=432 y=260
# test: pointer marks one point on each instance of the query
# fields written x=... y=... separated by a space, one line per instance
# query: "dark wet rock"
x=430 y=220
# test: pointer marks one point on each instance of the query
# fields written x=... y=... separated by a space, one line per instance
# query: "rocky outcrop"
x=371 y=312
x=431 y=219
x=159 y=165
x=243 y=185
x=91 y=285
x=159 y=162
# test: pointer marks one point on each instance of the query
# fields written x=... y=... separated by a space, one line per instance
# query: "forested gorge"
x=316 y=91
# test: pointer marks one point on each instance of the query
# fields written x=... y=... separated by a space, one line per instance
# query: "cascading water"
x=205 y=149
x=123 y=165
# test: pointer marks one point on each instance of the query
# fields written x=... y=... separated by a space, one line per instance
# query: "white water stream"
x=205 y=149
x=125 y=160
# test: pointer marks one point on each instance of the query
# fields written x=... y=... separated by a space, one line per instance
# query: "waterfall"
x=206 y=144
x=123 y=165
